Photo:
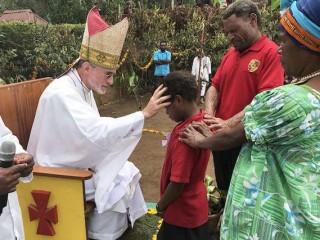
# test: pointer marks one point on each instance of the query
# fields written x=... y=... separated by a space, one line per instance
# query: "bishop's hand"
x=156 y=102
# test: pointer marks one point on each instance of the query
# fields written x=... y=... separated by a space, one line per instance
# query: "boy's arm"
x=172 y=191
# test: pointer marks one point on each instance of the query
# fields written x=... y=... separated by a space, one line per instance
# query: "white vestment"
x=205 y=70
x=11 y=226
x=68 y=131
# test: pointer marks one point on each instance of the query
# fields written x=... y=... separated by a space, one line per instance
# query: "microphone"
x=7 y=152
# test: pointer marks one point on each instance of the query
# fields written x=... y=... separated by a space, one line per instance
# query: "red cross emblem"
x=46 y=215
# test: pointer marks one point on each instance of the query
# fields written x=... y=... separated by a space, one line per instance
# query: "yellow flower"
x=160 y=223
x=152 y=211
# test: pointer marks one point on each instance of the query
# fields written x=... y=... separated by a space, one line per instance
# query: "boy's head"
x=184 y=92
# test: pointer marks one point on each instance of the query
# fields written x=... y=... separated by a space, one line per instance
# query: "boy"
x=183 y=203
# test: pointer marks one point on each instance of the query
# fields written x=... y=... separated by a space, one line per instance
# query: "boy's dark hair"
x=242 y=8
x=181 y=83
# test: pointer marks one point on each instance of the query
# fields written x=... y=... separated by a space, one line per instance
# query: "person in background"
x=183 y=203
x=127 y=11
x=11 y=226
x=198 y=4
x=162 y=60
x=274 y=192
x=201 y=69
x=251 y=66
x=68 y=130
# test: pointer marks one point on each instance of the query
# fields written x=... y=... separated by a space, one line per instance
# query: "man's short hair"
x=163 y=42
x=181 y=83
x=242 y=8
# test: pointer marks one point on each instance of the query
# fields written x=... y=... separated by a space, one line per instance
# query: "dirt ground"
x=149 y=153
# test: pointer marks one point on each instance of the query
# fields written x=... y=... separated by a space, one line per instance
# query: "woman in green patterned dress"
x=275 y=188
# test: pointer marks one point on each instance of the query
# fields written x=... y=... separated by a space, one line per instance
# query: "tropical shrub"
x=30 y=51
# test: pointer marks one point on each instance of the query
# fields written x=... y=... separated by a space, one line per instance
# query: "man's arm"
x=172 y=192
x=161 y=62
x=165 y=61
x=158 y=61
x=212 y=99
x=222 y=140
x=235 y=120
x=156 y=58
x=218 y=123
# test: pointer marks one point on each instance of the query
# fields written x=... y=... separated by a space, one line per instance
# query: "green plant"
x=145 y=228
x=215 y=196
x=29 y=51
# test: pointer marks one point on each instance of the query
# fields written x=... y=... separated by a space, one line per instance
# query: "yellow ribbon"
x=125 y=55
x=154 y=131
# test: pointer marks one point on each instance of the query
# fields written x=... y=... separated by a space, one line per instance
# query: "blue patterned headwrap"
x=302 y=23
x=284 y=4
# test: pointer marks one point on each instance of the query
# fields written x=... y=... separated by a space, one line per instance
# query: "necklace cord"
x=306 y=78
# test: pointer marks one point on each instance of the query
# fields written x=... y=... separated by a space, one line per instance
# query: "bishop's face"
x=100 y=78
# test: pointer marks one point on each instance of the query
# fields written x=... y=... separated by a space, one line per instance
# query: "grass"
x=144 y=228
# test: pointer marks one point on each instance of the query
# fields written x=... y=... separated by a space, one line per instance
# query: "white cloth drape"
x=205 y=70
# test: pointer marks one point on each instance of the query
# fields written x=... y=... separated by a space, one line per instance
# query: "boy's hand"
x=160 y=212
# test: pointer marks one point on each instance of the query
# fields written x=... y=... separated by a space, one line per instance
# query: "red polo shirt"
x=241 y=76
x=187 y=165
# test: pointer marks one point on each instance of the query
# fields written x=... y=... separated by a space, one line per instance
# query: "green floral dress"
x=275 y=188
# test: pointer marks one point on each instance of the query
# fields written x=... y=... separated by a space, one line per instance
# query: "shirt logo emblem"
x=253 y=65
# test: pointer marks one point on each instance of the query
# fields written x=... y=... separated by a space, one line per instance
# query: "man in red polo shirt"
x=251 y=66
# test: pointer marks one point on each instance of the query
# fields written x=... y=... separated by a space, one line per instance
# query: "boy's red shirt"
x=187 y=165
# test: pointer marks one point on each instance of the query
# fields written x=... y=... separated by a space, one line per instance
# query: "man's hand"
x=215 y=124
x=191 y=136
x=203 y=128
x=24 y=158
x=9 y=177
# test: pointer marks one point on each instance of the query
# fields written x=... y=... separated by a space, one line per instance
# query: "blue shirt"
x=163 y=69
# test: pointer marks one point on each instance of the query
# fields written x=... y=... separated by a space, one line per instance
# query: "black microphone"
x=7 y=152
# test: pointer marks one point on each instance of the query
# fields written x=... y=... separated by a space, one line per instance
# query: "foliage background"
x=75 y=11
x=30 y=51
